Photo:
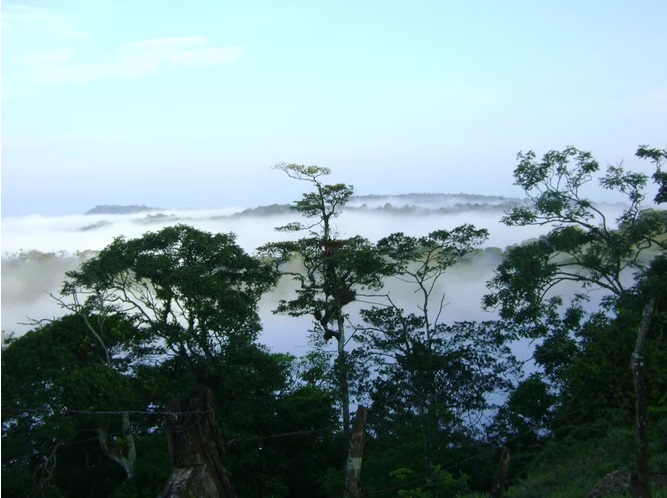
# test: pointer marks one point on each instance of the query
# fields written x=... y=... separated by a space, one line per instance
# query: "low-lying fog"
x=38 y=250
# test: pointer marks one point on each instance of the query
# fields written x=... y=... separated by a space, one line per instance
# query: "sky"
x=189 y=104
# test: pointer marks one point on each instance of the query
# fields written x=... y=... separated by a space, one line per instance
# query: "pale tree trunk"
x=196 y=449
x=355 y=455
x=123 y=450
x=343 y=377
x=640 y=487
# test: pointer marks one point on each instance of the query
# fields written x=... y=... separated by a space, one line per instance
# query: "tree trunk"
x=196 y=449
x=426 y=438
x=355 y=455
x=122 y=451
x=640 y=486
x=500 y=479
x=343 y=377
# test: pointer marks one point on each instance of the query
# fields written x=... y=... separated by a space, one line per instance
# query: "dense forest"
x=103 y=401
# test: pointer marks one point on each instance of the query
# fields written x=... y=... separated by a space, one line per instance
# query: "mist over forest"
x=333 y=249
x=38 y=250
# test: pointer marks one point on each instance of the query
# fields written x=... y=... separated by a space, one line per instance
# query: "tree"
x=440 y=386
x=582 y=246
x=422 y=262
x=53 y=378
x=333 y=269
x=192 y=294
x=153 y=318
x=187 y=293
x=50 y=377
x=424 y=371
x=659 y=158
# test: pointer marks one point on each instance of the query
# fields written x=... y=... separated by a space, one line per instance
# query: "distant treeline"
x=118 y=209
x=413 y=209
x=413 y=205
x=404 y=201
x=437 y=197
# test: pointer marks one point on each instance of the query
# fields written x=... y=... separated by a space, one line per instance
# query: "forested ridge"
x=97 y=402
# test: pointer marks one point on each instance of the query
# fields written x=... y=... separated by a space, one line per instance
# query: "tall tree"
x=424 y=370
x=188 y=294
x=583 y=246
x=333 y=269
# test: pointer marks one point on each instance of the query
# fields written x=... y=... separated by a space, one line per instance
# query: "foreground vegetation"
x=573 y=467
x=84 y=397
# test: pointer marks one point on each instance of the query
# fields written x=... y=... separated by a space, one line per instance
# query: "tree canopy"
x=148 y=321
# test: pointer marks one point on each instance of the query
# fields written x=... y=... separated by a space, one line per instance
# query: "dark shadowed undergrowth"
x=571 y=469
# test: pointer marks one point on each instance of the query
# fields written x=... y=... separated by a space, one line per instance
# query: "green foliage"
x=322 y=205
x=437 y=386
x=178 y=291
x=658 y=157
x=51 y=378
x=439 y=483
x=333 y=269
x=583 y=246
x=422 y=262
x=579 y=354
x=152 y=470
x=597 y=379
x=255 y=405
x=585 y=389
x=47 y=375
x=173 y=285
x=328 y=281
x=432 y=254
x=156 y=316
x=426 y=378
x=571 y=467
x=530 y=405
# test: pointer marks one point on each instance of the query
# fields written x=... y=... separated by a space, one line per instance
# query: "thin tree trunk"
x=355 y=455
x=640 y=486
x=500 y=479
x=196 y=449
x=426 y=439
x=343 y=377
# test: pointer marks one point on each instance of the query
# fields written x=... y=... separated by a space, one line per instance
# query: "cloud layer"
x=132 y=60
x=17 y=18
x=44 y=48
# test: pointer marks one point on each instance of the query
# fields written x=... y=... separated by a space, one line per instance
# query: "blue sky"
x=188 y=104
